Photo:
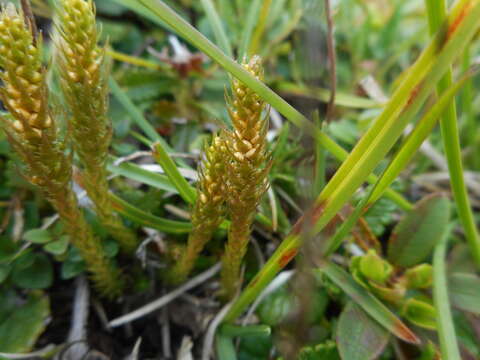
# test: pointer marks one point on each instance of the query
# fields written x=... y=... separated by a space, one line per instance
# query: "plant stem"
x=445 y=326
x=470 y=120
x=436 y=10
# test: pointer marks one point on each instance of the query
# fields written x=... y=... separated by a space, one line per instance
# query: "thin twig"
x=135 y=351
x=78 y=327
x=332 y=60
x=185 y=351
x=212 y=329
x=35 y=354
x=157 y=304
x=166 y=338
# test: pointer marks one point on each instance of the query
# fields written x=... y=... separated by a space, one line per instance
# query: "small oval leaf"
x=38 y=236
x=57 y=247
x=359 y=337
x=417 y=233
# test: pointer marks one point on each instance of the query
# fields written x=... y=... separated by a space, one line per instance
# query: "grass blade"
x=446 y=329
x=358 y=166
x=436 y=10
x=135 y=172
x=138 y=118
x=251 y=21
x=341 y=98
x=145 y=219
x=414 y=82
x=225 y=348
x=187 y=192
x=416 y=138
x=217 y=27
x=259 y=30
x=133 y=111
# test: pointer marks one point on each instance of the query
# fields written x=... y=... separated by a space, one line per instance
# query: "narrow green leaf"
x=364 y=158
x=142 y=10
x=133 y=111
x=370 y=304
x=419 y=82
x=341 y=98
x=135 y=172
x=320 y=169
x=436 y=11
x=251 y=21
x=260 y=28
x=415 y=236
x=359 y=337
x=138 y=118
x=187 y=192
x=445 y=326
x=225 y=348
x=145 y=219
x=416 y=138
x=217 y=27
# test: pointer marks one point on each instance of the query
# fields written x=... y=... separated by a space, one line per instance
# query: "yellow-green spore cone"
x=84 y=73
x=247 y=172
x=209 y=209
x=31 y=131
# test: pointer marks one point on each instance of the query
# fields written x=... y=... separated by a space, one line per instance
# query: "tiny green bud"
x=419 y=277
x=420 y=313
x=373 y=267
